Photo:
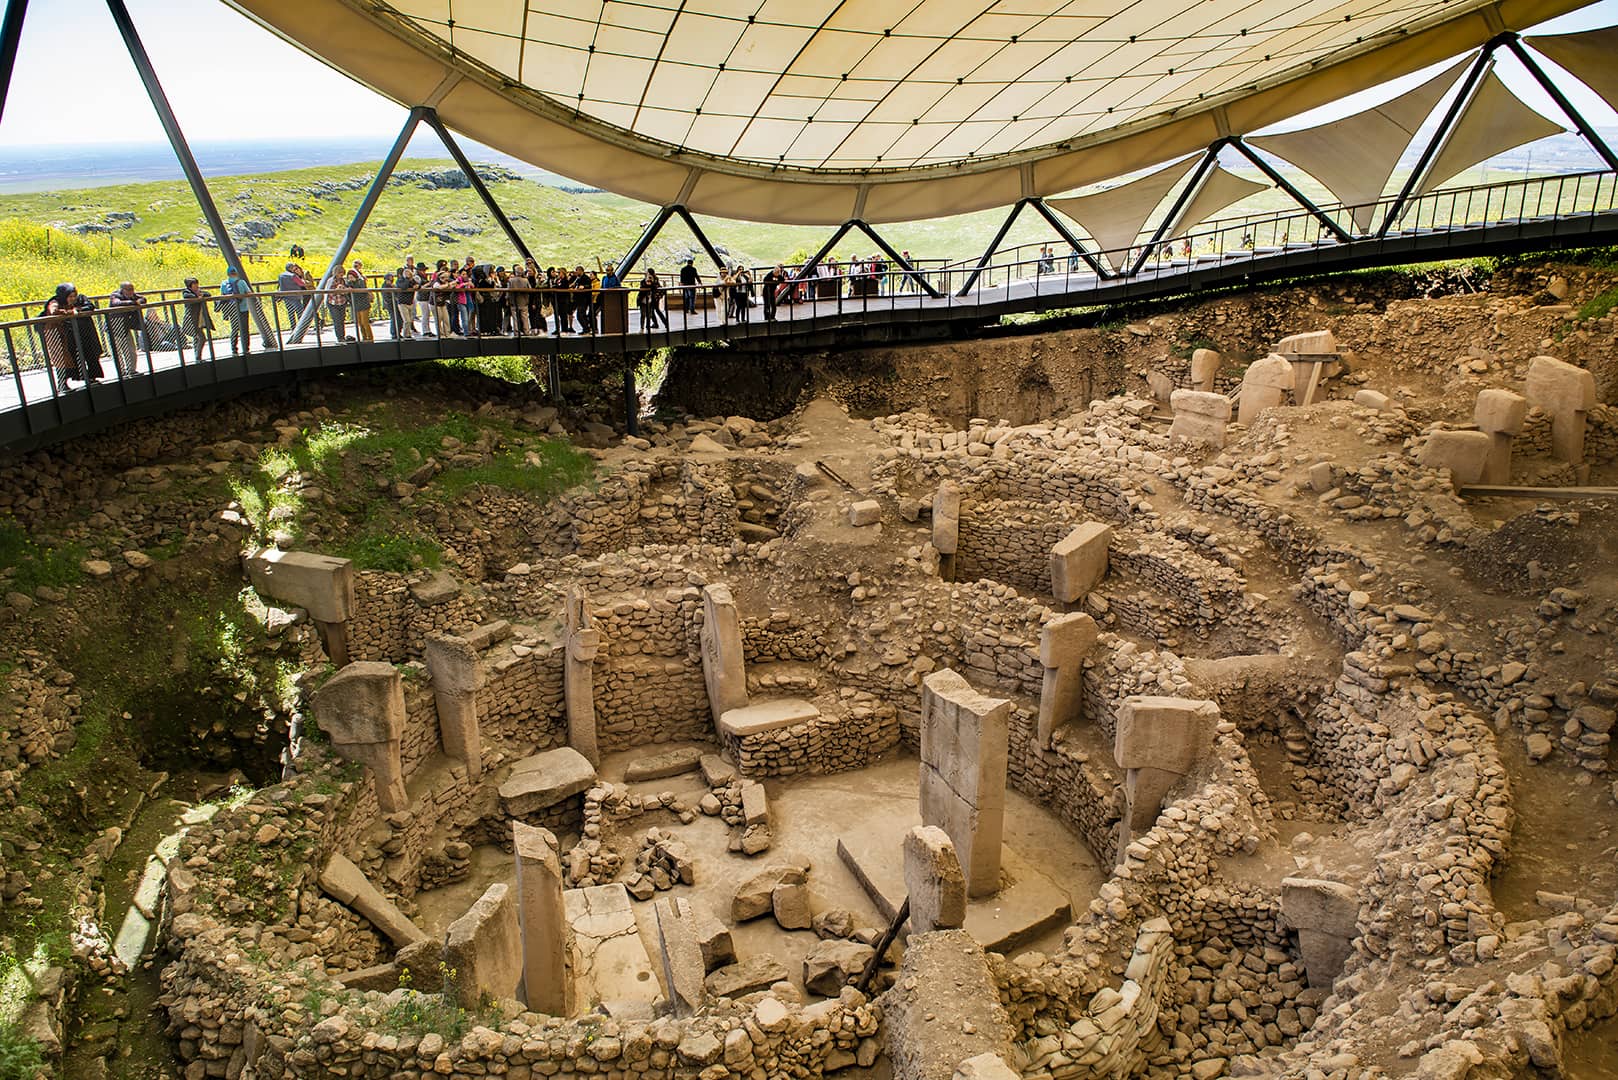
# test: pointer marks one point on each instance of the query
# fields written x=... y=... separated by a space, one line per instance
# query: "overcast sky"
x=228 y=78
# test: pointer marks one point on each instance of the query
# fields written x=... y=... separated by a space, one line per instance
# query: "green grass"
x=20 y=1056
x=27 y=564
x=511 y=369
x=397 y=550
x=1598 y=306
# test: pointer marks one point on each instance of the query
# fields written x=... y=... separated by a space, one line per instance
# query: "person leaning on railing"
x=125 y=311
x=336 y=301
x=198 y=323
x=359 y=300
x=68 y=333
x=233 y=300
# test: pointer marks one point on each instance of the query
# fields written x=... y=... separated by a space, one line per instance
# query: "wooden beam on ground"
x=1515 y=491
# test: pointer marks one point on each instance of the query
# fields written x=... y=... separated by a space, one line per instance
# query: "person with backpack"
x=359 y=301
x=233 y=293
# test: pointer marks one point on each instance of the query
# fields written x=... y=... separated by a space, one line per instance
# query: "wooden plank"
x=1513 y=491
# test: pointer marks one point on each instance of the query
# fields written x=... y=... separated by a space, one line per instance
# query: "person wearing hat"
x=236 y=310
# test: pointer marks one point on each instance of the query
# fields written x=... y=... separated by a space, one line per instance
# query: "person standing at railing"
x=689 y=280
x=651 y=301
x=337 y=307
x=198 y=323
x=124 y=316
x=773 y=281
x=535 y=299
x=518 y=289
x=290 y=285
x=69 y=335
x=744 y=294
x=359 y=301
x=233 y=299
x=461 y=313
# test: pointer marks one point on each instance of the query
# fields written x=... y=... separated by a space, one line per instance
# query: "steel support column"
x=1171 y=220
x=825 y=249
x=994 y=245
x=647 y=235
x=379 y=183
x=1298 y=197
x=1067 y=236
x=1596 y=142
x=1474 y=79
x=631 y=399
x=10 y=36
x=904 y=264
x=499 y=215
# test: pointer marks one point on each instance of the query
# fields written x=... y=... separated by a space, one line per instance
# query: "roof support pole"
x=1469 y=87
x=825 y=249
x=379 y=183
x=171 y=128
x=1297 y=196
x=904 y=264
x=10 y=36
x=1067 y=236
x=696 y=230
x=499 y=215
x=647 y=235
x=1199 y=176
x=994 y=245
x=1597 y=143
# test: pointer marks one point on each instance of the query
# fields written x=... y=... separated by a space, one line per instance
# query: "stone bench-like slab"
x=543 y=780
x=766 y=716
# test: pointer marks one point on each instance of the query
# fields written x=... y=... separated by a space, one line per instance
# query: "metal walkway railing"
x=173 y=350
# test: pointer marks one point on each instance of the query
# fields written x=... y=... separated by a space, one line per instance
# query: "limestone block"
x=1464 y=453
x=1318 y=904
x=765 y=716
x=748 y=977
x=934 y=881
x=1372 y=399
x=1204 y=369
x=1310 y=342
x=964 y=740
x=1144 y=792
x=865 y=512
x=583 y=644
x=1568 y=393
x=832 y=964
x=457 y=673
x=484 y=950
x=722 y=657
x=1264 y=386
x=986 y=1066
x=542 y=921
x=347 y=884
x=320 y=584
x=1064 y=642
x=361 y=709
x=755 y=804
x=1160 y=386
x=947 y=518
x=1500 y=411
x=1163 y=732
x=713 y=938
x=1199 y=417
x=1079 y=561
x=945 y=1008
x=543 y=780
x=789 y=902
x=683 y=970
x=753 y=896
x=674 y=762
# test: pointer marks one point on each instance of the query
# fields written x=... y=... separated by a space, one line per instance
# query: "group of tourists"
x=447 y=300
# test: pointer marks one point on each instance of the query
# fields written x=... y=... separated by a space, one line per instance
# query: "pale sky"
x=229 y=79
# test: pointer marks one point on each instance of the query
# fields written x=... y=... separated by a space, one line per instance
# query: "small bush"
x=20 y=1056
x=400 y=552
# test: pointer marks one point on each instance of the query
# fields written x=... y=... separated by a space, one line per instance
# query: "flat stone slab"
x=748 y=977
x=610 y=962
x=669 y=763
x=765 y=716
x=543 y=780
x=1028 y=904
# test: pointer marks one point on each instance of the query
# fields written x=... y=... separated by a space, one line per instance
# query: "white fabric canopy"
x=1592 y=56
x=1219 y=190
x=1355 y=156
x=1495 y=121
x=1115 y=217
x=810 y=111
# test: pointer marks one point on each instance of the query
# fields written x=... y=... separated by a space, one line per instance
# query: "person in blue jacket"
x=236 y=310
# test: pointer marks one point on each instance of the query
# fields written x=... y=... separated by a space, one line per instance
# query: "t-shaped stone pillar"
x=1157 y=741
x=1325 y=915
x=947 y=527
x=933 y=881
x=1079 y=561
x=361 y=709
x=1264 y=386
x=1063 y=644
x=1464 y=453
x=1204 y=369
x=1499 y=414
x=722 y=663
x=457 y=676
x=680 y=947
x=583 y=642
x=1568 y=393
x=482 y=950
x=963 y=773
x=542 y=921
x=320 y=584
x=1199 y=417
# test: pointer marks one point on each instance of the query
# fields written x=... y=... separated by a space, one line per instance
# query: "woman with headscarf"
x=198 y=323
x=69 y=334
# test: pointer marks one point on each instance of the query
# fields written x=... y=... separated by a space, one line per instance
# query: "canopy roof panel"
x=897 y=110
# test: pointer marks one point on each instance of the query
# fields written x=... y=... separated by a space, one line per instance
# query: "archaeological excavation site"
x=1216 y=687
